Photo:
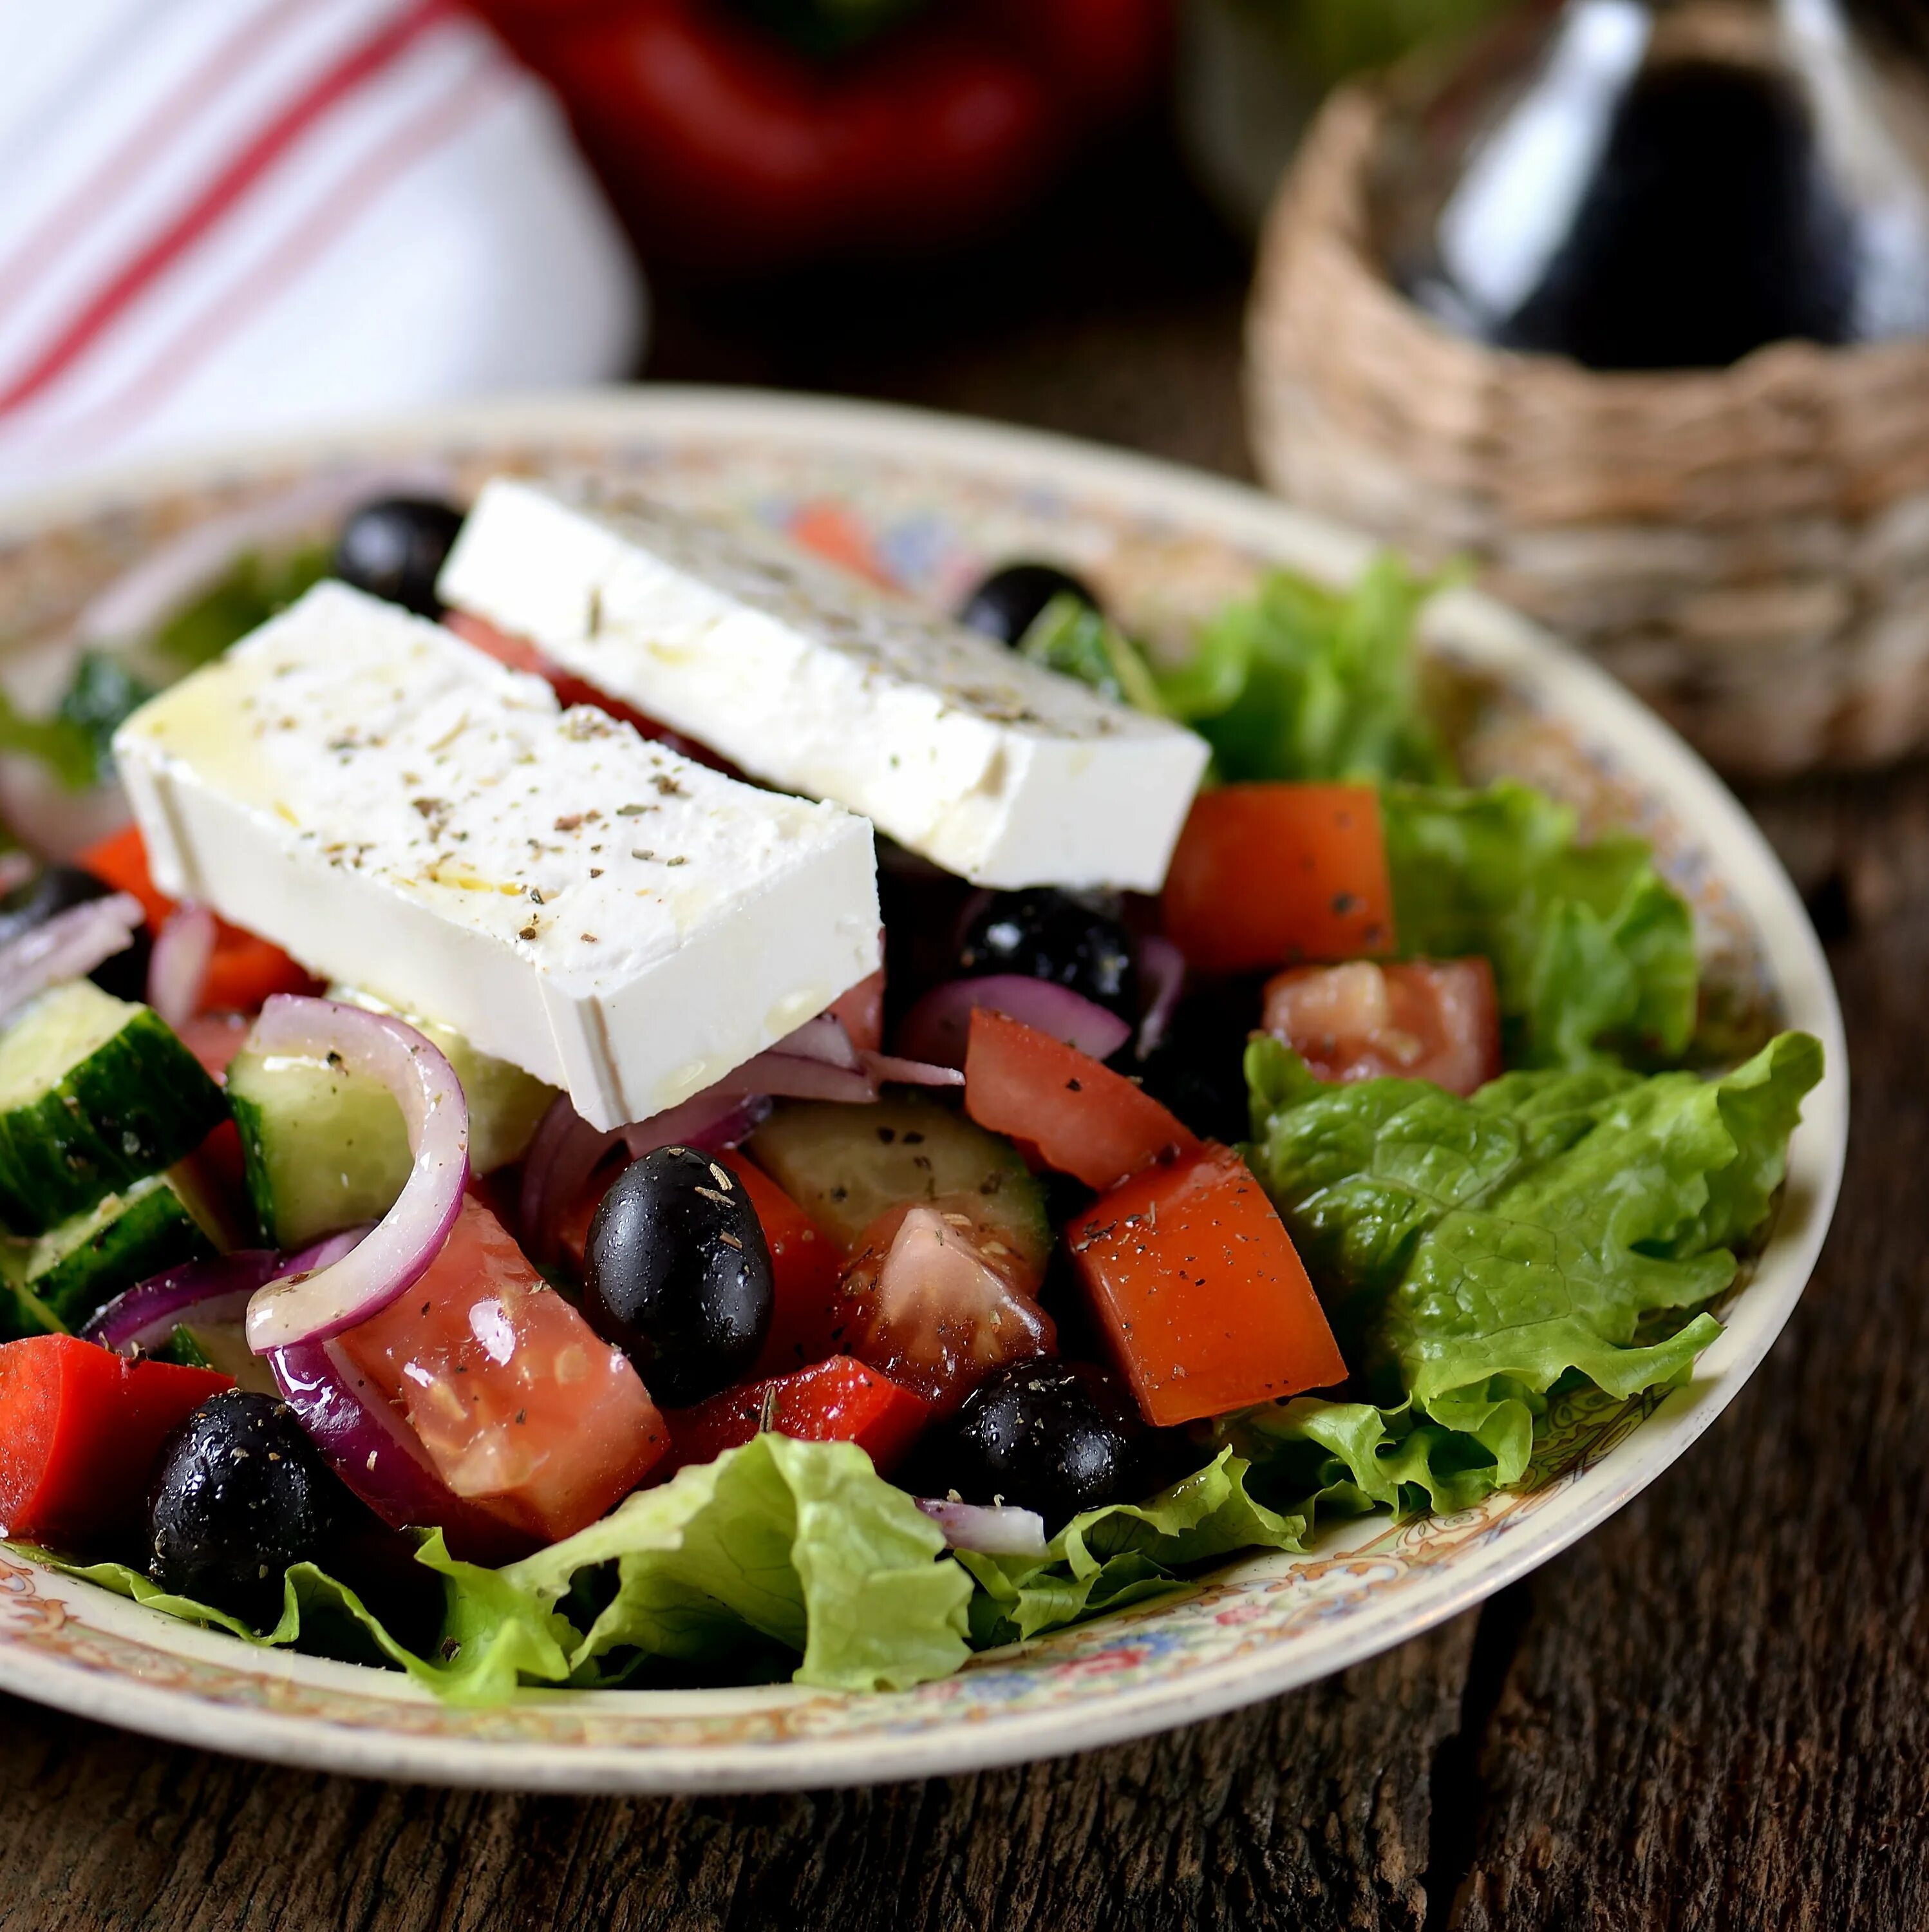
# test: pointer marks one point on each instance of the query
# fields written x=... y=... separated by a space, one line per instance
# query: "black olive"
x=241 y=1492
x=1198 y=1069
x=55 y=890
x=678 y=1275
x=1048 y=935
x=1006 y=604
x=395 y=547
x=1054 y=1436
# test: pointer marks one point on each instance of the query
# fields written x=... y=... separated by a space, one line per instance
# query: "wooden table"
x=1714 y=1712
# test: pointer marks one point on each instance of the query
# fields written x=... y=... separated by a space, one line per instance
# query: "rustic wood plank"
x=1717 y=1714
x=1309 y=1811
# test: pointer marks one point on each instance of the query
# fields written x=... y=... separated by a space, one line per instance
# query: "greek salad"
x=628 y=1110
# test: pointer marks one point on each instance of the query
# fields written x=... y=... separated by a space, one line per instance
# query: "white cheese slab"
x=810 y=678
x=400 y=812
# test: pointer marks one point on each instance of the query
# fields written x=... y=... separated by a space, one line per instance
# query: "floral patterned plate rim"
x=928 y=501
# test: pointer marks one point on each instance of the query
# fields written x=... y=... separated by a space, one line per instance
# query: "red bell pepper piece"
x=80 y=1430
x=839 y=1400
x=244 y=969
x=721 y=143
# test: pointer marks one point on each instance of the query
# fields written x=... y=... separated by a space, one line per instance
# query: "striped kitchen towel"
x=227 y=217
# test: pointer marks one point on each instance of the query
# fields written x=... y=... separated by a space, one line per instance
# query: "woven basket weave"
x=1749 y=548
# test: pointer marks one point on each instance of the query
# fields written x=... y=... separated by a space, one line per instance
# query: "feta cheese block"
x=399 y=812
x=807 y=678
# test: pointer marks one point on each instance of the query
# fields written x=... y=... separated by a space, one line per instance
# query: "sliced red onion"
x=823 y=1038
x=373 y=1450
x=882 y=1067
x=1162 y=973
x=709 y=1121
x=212 y=1291
x=67 y=946
x=991 y=1529
x=177 y=967
x=938 y=1027
x=388 y=1260
x=791 y=1077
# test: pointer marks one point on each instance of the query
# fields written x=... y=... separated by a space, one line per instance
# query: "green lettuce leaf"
x=1308 y=683
x=800 y=1547
x=802 y=1544
x=493 y=1635
x=1478 y=1255
x=1593 y=952
x=1069 y=636
x=1109 y=1557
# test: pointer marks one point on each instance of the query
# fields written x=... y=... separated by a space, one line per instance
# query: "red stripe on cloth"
x=297 y=250
x=142 y=148
x=222 y=194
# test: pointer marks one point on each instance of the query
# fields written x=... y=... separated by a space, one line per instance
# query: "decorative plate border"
x=924 y=500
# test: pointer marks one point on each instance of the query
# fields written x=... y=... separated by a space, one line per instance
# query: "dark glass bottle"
x=1669 y=184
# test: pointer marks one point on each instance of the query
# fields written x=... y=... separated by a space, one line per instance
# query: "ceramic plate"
x=927 y=503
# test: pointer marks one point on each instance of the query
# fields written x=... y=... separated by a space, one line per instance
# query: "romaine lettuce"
x=1477 y=1255
x=797 y=1546
x=1304 y=682
x=1593 y=952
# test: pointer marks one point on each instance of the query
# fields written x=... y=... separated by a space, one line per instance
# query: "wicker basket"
x=1749 y=548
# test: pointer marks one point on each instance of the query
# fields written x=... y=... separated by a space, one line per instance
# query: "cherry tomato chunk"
x=1268 y=875
x=520 y=1405
x=1200 y=1291
x=1426 y=1019
x=1082 y=1118
x=81 y=1428
x=936 y=1301
x=837 y=1400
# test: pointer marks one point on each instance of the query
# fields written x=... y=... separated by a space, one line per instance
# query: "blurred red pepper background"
x=745 y=135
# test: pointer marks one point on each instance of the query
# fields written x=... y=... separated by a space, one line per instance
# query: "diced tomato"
x=521 y=653
x=839 y=1400
x=1082 y=1118
x=215 y=1038
x=521 y=1407
x=81 y=1428
x=861 y=1010
x=936 y=1301
x=1200 y=1290
x=244 y=970
x=1427 y=1019
x=1268 y=875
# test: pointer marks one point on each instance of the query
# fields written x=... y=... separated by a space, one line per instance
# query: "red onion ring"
x=67 y=946
x=991 y=1529
x=823 y=1038
x=388 y=1260
x=791 y=1077
x=882 y=1067
x=177 y=967
x=145 y=1314
x=939 y=1027
x=1162 y=972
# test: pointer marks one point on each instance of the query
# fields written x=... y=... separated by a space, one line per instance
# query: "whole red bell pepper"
x=80 y=1430
x=723 y=143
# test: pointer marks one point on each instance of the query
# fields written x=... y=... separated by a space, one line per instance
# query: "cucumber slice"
x=80 y=1267
x=325 y=1149
x=95 y=1094
x=225 y=1350
x=844 y=1165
